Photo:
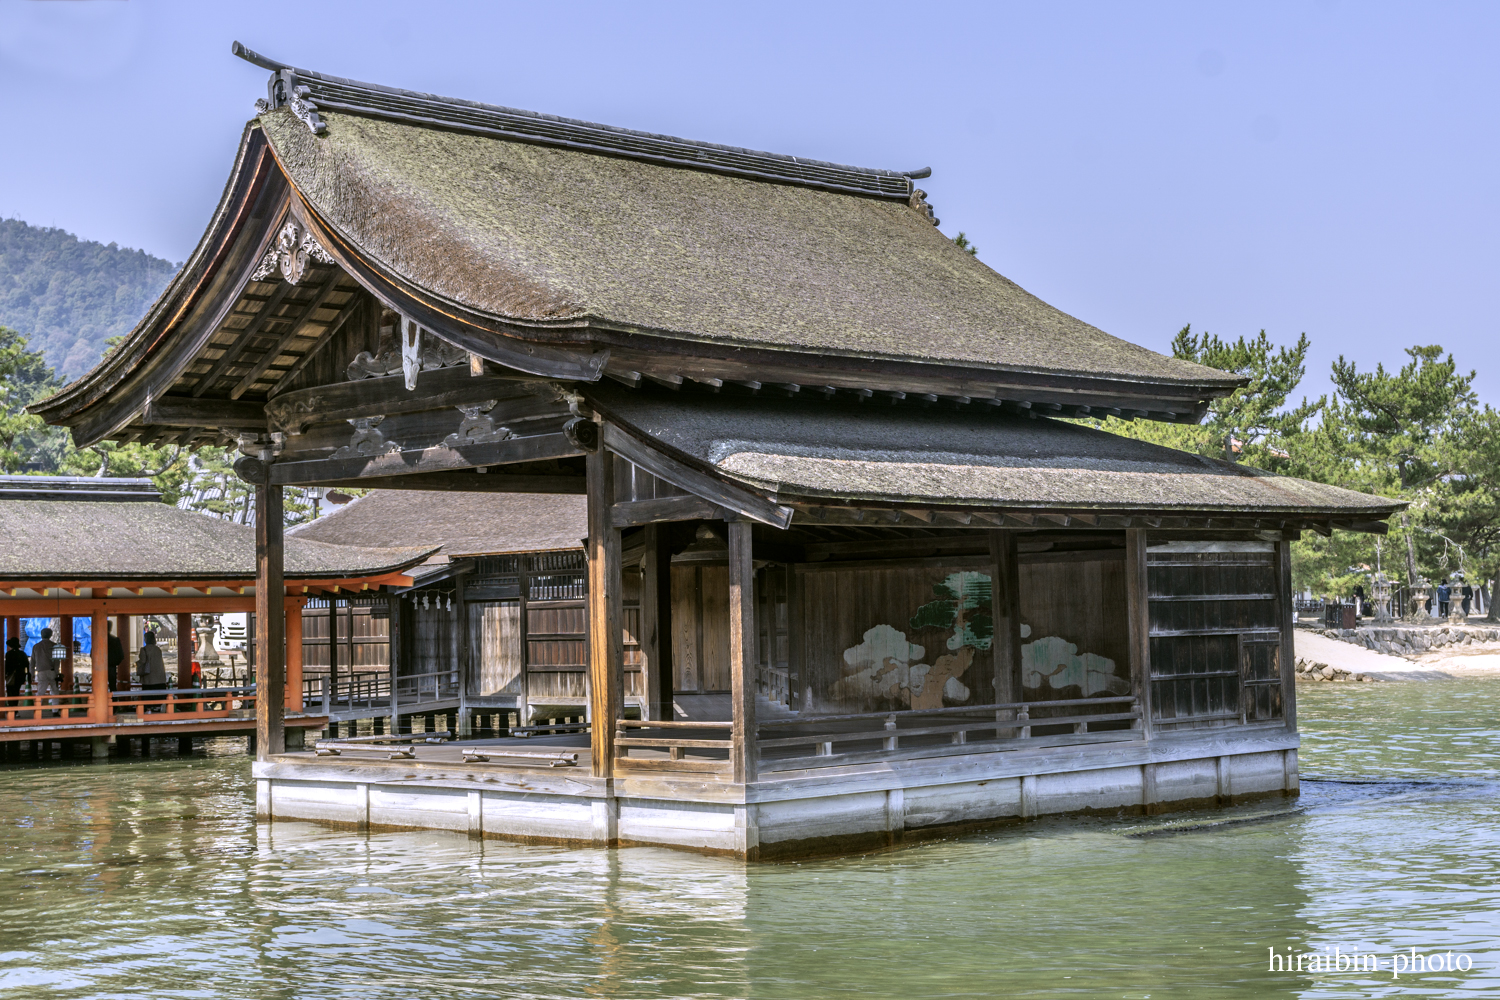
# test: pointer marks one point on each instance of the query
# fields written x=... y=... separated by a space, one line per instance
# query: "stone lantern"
x=1420 y=591
x=1456 y=599
x=1381 y=587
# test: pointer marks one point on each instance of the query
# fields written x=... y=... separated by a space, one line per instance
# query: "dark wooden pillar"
x=270 y=624
x=742 y=656
x=606 y=639
x=333 y=649
x=1288 y=657
x=656 y=622
x=65 y=626
x=462 y=724
x=1138 y=613
x=185 y=651
x=122 y=672
x=1005 y=608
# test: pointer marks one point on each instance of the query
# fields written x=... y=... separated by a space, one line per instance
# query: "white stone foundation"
x=797 y=813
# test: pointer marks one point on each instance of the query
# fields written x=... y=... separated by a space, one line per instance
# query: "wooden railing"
x=369 y=690
x=973 y=728
x=173 y=705
x=867 y=737
x=673 y=745
x=43 y=710
x=176 y=704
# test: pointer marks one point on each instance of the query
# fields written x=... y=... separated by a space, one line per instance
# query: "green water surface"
x=151 y=879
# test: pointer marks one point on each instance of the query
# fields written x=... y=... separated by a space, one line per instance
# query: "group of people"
x=42 y=670
x=1445 y=594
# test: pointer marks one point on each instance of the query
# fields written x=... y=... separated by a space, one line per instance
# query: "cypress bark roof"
x=463 y=524
x=796 y=450
x=102 y=540
x=565 y=238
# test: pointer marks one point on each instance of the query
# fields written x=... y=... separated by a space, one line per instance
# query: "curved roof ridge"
x=325 y=91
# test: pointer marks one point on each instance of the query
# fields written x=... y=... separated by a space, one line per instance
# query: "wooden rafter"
x=237 y=346
x=348 y=310
x=259 y=368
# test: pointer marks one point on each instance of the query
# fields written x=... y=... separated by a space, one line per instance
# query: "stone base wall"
x=1409 y=640
x=797 y=815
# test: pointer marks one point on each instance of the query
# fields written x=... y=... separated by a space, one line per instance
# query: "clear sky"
x=1327 y=167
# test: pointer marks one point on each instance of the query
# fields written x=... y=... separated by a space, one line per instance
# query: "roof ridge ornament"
x=294 y=249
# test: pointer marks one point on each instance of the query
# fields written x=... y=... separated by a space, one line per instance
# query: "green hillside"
x=68 y=296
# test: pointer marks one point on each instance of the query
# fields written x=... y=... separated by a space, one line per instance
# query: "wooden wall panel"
x=714 y=611
x=844 y=609
x=495 y=646
x=1083 y=604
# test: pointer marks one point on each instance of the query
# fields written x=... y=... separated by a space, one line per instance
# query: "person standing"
x=1468 y=597
x=116 y=657
x=150 y=667
x=1443 y=594
x=43 y=669
x=16 y=665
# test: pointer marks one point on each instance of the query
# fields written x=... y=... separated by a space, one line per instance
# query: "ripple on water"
x=151 y=878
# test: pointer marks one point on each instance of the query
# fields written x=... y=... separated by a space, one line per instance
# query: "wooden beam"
x=496 y=480
x=350 y=308
x=634 y=513
x=1138 y=616
x=742 y=658
x=605 y=619
x=387 y=395
x=185 y=411
x=237 y=346
x=727 y=495
x=259 y=368
x=438 y=458
x=1287 y=658
x=270 y=624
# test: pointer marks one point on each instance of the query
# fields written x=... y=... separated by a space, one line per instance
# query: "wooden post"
x=1138 y=613
x=656 y=623
x=742 y=658
x=606 y=650
x=333 y=650
x=122 y=672
x=393 y=605
x=294 y=657
x=185 y=651
x=462 y=726
x=270 y=624
x=101 y=708
x=65 y=626
x=1288 y=651
x=1005 y=608
x=523 y=701
x=794 y=638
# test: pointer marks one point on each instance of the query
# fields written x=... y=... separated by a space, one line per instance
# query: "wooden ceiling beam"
x=259 y=368
x=237 y=346
x=349 y=309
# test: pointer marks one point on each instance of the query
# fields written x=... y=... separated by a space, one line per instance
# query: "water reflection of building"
x=823 y=439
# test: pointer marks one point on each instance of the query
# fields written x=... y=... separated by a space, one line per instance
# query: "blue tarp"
x=31 y=629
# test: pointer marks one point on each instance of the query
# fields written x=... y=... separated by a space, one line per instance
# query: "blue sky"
x=1327 y=167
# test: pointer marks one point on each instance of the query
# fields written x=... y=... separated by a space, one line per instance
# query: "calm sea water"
x=151 y=878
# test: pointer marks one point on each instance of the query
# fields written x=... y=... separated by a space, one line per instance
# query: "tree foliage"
x=69 y=296
x=1252 y=424
x=962 y=242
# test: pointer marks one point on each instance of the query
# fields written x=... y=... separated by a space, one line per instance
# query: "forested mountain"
x=67 y=296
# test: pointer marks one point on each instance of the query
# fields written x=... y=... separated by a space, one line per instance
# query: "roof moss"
x=552 y=236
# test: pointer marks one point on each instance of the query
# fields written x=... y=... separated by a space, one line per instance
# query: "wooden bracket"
x=736 y=499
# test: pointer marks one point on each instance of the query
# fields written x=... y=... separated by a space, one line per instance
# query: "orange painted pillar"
x=13 y=630
x=100 y=707
x=122 y=672
x=65 y=625
x=185 y=651
x=294 y=656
